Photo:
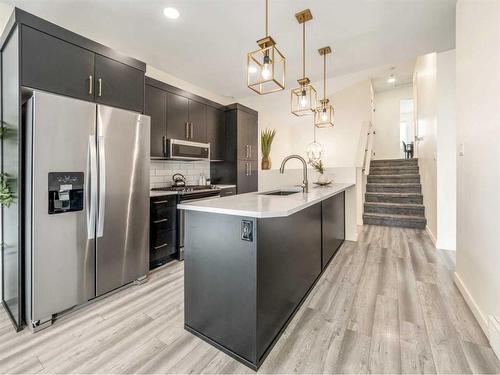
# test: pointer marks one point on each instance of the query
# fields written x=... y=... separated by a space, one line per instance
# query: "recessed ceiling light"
x=171 y=13
x=391 y=79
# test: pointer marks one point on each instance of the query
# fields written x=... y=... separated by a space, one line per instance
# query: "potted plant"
x=6 y=197
x=320 y=167
x=266 y=140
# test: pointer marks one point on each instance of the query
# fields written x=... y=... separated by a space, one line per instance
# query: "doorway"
x=406 y=128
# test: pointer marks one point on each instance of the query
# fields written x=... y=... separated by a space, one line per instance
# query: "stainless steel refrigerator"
x=87 y=209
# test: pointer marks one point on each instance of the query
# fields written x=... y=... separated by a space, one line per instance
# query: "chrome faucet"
x=305 y=184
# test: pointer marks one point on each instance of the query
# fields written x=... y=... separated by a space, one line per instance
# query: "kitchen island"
x=250 y=261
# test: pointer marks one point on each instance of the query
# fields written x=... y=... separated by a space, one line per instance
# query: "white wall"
x=387 y=143
x=446 y=150
x=352 y=107
x=424 y=85
x=478 y=118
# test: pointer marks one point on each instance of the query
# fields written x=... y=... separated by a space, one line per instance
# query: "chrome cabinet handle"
x=91 y=83
x=186 y=128
x=102 y=186
x=246 y=151
x=99 y=90
x=160 y=202
x=159 y=247
x=250 y=169
x=91 y=183
x=192 y=130
x=250 y=150
x=160 y=221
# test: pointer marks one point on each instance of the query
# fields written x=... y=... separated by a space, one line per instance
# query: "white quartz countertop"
x=263 y=206
x=225 y=186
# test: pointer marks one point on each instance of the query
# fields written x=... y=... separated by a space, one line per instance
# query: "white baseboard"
x=481 y=319
x=431 y=235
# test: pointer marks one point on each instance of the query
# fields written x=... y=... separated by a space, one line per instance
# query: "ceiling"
x=403 y=72
x=207 y=45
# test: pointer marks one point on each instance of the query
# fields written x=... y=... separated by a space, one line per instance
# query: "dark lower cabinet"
x=227 y=192
x=53 y=65
x=333 y=226
x=118 y=85
x=240 y=293
x=163 y=230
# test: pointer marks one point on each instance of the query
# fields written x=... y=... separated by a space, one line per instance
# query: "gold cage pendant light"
x=266 y=66
x=303 y=98
x=323 y=116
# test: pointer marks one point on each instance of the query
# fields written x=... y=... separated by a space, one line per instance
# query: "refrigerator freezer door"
x=122 y=249
x=63 y=245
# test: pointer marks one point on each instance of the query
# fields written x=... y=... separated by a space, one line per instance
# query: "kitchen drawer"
x=163 y=243
x=226 y=192
x=164 y=218
x=163 y=207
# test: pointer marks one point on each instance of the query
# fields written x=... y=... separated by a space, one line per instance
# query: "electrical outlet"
x=247 y=230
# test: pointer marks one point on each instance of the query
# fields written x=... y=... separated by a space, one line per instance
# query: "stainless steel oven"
x=186 y=150
x=191 y=196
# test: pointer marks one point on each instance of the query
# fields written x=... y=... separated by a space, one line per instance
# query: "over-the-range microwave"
x=178 y=149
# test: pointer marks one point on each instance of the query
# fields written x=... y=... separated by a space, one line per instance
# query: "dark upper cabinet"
x=54 y=65
x=197 y=122
x=216 y=132
x=247 y=129
x=177 y=117
x=118 y=85
x=156 y=108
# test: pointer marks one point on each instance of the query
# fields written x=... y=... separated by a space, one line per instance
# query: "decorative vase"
x=322 y=178
x=266 y=163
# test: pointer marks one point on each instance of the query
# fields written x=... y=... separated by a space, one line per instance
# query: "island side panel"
x=288 y=264
x=333 y=221
x=220 y=282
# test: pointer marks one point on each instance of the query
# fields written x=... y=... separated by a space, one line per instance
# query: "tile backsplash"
x=162 y=171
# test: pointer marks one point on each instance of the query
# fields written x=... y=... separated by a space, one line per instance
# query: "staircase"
x=394 y=194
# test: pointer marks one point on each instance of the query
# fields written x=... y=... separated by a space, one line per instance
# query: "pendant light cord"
x=324 y=76
x=303 y=50
x=267 y=18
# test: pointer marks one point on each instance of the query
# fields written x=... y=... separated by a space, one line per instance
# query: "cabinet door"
x=242 y=135
x=247 y=176
x=198 y=121
x=333 y=222
x=247 y=136
x=155 y=106
x=177 y=116
x=118 y=85
x=216 y=133
x=56 y=66
x=252 y=136
x=253 y=176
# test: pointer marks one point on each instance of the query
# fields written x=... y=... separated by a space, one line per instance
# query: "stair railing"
x=363 y=160
x=365 y=147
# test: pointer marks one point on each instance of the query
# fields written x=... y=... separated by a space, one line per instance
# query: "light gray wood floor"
x=386 y=304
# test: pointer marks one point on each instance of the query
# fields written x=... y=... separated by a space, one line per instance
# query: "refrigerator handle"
x=91 y=187
x=102 y=187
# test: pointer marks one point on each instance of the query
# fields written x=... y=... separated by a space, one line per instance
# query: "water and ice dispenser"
x=65 y=192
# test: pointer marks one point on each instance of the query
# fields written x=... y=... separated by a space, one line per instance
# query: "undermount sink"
x=281 y=192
